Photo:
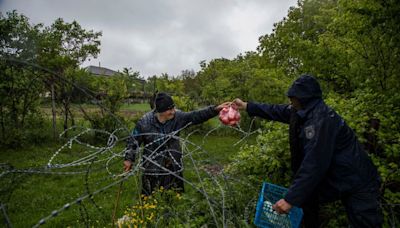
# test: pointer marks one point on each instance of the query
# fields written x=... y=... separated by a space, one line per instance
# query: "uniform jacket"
x=333 y=163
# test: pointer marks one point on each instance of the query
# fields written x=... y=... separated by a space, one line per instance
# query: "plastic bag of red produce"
x=229 y=115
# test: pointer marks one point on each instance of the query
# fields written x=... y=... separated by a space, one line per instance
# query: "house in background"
x=136 y=95
x=101 y=71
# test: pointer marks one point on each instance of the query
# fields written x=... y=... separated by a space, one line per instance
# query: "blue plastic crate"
x=267 y=217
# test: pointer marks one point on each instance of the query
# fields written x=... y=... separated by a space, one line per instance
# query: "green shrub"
x=36 y=131
x=106 y=123
x=269 y=158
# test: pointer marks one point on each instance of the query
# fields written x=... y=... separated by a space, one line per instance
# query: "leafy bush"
x=35 y=131
x=184 y=103
x=269 y=158
x=357 y=112
x=105 y=122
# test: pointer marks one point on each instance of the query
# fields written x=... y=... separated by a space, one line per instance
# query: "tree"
x=366 y=33
x=63 y=48
x=353 y=48
x=20 y=85
x=191 y=84
x=135 y=83
x=51 y=54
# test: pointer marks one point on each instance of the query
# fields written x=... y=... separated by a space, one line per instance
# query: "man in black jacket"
x=327 y=160
x=157 y=131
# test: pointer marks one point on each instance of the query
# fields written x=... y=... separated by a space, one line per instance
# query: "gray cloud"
x=161 y=36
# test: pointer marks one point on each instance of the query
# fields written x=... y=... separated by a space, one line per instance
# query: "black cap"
x=163 y=102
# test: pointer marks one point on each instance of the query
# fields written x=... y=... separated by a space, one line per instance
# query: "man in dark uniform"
x=157 y=131
x=327 y=160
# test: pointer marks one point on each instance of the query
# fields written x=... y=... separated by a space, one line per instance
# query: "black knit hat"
x=163 y=102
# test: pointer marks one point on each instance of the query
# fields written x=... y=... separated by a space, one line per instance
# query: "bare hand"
x=223 y=105
x=127 y=165
x=240 y=104
x=282 y=207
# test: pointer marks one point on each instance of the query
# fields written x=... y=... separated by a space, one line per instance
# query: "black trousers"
x=362 y=208
x=152 y=183
x=311 y=213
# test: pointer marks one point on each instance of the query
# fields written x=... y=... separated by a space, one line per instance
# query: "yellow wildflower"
x=151 y=216
x=178 y=196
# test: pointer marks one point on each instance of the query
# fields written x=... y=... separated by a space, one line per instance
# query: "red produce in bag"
x=229 y=115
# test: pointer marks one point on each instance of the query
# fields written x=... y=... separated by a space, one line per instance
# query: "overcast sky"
x=162 y=36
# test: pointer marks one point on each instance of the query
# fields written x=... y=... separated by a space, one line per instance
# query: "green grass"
x=126 y=110
x=145 y=107
x=35 y=196
x=125 y=106
x=220 y=149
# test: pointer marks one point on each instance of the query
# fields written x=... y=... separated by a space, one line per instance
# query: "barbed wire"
x=108 y=150
x=107 y=156
x=54 y=168
x=91 y=159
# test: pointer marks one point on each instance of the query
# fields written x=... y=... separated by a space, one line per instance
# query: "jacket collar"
x=156 y=122
x=303 y=112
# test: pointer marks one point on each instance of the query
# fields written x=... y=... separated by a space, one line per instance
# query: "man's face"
x=295 y=103
x=168 y=115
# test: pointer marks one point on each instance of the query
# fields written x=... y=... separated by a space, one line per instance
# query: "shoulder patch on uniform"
x=309 y=131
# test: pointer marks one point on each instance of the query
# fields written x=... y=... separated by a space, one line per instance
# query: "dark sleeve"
x=133 y=143
x=318 y=156
x=198 y=116
x=279 y=113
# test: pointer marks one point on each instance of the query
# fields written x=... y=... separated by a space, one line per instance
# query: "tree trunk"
x=53 y=110
x=66 y=112
x=2 y=123
x=71 y=117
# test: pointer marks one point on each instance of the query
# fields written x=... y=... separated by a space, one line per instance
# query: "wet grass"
x=30 y=197
x=126 y=110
